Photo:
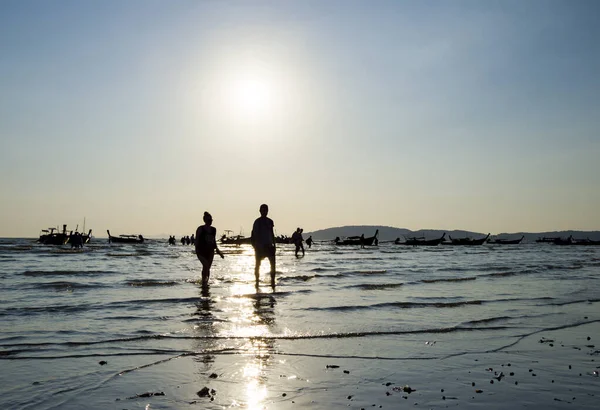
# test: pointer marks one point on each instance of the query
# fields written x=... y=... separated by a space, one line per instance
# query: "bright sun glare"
x=252 y=94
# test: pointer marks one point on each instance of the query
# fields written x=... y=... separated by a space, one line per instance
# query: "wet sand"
x=551 y=369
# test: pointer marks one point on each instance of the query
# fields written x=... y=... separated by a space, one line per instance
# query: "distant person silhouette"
x=263 y=241
x=297 y=239
x=294 y=239
x=362 y=240
x=309 y=241
x=206 y=245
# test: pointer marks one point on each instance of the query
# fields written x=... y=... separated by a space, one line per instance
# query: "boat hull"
x=370 y=241
x=422 y=242
x=468 y=241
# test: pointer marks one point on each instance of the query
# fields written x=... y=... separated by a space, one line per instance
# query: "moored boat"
x=586 y=241
x=467 y=241
x=547 y=239
x=85 y=237
x=235 y=240
x=52 y=236
x=125 y=238
x=562 y=242
x=506 y=241
x=421 y=241
x=358 y=240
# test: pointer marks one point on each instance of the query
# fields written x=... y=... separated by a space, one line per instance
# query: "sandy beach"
x=553 y=369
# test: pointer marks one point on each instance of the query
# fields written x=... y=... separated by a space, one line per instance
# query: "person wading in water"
x=263 y=241
x=206 y=245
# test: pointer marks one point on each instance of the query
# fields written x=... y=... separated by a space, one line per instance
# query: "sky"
x=137 y=116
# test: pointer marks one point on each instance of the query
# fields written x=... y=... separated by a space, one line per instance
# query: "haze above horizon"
x=141 y=115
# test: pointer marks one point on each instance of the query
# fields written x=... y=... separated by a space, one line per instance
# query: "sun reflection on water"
x=255 y=372
x=255 y=319
x=251 y=321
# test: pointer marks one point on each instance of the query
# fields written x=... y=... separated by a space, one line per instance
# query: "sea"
x=129 y=326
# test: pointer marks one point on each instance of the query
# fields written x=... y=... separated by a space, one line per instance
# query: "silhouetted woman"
x=206 y=245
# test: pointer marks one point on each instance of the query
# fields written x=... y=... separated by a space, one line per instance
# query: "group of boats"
x=246 y=240
x=569 y=241
x=54 y=236
x=466 y=241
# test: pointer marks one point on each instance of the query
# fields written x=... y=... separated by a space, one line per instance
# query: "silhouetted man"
x=263 y=241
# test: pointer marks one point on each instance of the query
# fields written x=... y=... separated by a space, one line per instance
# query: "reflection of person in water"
x=263 y=241
x=206 y=245
x=264 y=306
x=263 y=348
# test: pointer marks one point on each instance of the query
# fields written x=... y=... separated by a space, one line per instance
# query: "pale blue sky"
x=140 y=115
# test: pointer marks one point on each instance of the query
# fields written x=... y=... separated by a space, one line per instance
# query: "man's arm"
x=253 y=234
x=272 y=233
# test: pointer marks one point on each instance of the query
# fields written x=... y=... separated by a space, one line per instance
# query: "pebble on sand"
x=205 y=392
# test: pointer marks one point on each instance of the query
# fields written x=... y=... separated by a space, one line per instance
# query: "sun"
x=252 y=96
x=251 y=93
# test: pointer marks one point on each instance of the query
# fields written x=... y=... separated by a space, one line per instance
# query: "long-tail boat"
x=546 y=239
x=52 y=236
x=586 y=241
x=468 y=241
x=235 y=240
x=85 y=237
x=421 y=241
x=506 y=241
x=125 y=238
x=358 y=240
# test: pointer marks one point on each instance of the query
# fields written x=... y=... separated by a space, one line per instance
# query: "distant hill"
x=389 y=233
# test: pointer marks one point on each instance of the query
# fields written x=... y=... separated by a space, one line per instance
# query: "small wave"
x=62 y=285
x=18 y=347
x=452 y=269
x=301 y=278
x=377 y=286
x=488 y=320
x=493 y=268
x=448 y=280
x=149 y=282
x=129 y=317
x=320 y=269
x=141 y=303
x=367 y=272
x=400 y=305
x=65 y=273
x=337 y=275
x=500 y=274
x=27 y=310
x=574 y=266
x=574 y=302
x=511 y=273
x=503 y=319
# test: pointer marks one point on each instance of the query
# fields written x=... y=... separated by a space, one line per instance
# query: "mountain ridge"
x=390 y=233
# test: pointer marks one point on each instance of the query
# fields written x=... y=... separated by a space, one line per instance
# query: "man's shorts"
x=262 y=252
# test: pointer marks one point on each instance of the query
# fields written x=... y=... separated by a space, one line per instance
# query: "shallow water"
x=139 y=308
